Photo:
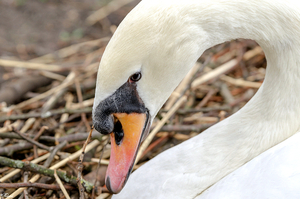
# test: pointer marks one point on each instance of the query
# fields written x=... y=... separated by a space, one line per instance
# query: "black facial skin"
x=124 y=100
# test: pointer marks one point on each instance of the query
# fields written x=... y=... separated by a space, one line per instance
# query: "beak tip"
x=107 y=183
x=110 y=188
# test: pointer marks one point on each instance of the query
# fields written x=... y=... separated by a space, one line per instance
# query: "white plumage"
x=273 y=174
x=246 y=155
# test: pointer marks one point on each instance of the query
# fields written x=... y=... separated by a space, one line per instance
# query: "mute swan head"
x=136 y=76
x=156 y=45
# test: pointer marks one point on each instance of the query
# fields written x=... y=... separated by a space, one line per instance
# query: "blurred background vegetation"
x=42 y=26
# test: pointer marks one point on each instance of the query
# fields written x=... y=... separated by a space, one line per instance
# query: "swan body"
x=273 y=174
x=254 y=150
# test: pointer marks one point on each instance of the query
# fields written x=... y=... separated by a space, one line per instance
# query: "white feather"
x=273 y=174
x=163 y=39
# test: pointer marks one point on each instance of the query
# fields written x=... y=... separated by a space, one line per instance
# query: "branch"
x=9 y=150
x=80 y=165
x=69 y=138
x=53 y=153
x=36 y=185
x=184 y=128
x=42 y=146
x=13 y=91
x=28 y=166
x=46 y=115
x=204 y=109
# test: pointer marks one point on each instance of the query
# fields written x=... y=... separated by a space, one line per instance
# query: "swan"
x=252 y=154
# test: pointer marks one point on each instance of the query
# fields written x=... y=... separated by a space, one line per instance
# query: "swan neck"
x=271 y=116
x=273 y=24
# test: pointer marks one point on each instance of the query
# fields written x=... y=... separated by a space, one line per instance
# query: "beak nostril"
x=118 y=131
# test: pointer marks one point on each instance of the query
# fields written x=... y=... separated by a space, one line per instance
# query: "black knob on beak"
x=104 y=124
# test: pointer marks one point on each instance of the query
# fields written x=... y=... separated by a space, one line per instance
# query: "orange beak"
x=124 y=148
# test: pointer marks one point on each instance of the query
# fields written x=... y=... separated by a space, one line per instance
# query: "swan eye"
x=135 y=77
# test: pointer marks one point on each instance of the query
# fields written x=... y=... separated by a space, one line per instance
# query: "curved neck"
x=272 y=115
x=272 y=23
x=275 y=25
x=188 y=27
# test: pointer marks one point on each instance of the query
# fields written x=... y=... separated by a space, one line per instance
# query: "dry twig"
x=158 y=126
x=80 y=165
x=36 y=66
x=58 y=165
x=106 y=10
x=61 y=185
x=36 y=185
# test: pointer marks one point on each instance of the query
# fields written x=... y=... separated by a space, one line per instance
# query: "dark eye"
x=135 y=77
